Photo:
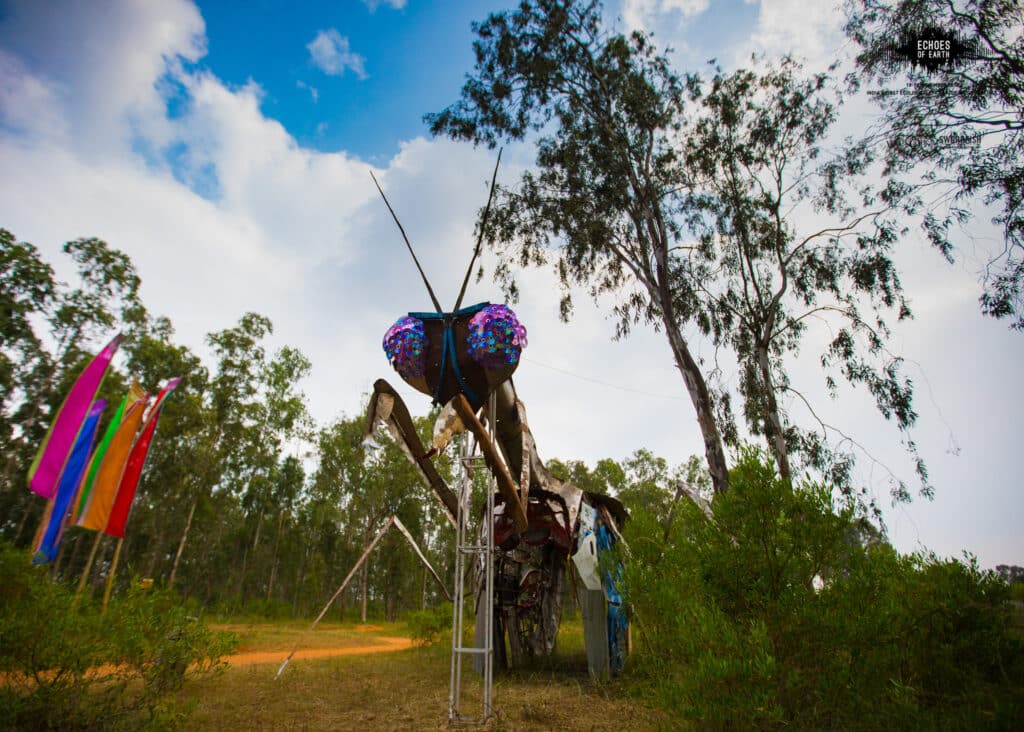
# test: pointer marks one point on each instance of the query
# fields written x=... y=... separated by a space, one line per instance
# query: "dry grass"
x=405 y=690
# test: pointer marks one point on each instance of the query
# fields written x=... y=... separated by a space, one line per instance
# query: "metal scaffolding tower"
x=478 y=548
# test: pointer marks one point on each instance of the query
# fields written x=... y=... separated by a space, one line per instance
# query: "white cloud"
x=314 y=93
x=649 y=15
x=374 y=4
x=101 y=62
x=810 y=31
x=331 y=54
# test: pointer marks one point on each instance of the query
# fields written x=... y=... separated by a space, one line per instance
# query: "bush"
x=775 y=614
x=68 y=667
x=426 y=625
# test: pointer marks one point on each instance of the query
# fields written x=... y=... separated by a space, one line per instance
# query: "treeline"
x=244 y=502
x=245 y=505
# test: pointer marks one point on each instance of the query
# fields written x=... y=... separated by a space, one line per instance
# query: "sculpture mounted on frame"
x=461 y=358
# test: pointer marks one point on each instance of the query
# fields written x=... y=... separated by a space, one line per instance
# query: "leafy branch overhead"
x=954 y=133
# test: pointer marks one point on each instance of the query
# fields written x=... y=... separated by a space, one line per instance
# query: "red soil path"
x=383 y=645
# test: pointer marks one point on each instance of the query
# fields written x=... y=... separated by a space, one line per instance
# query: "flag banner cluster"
x=93 y=485
x=44 y=475
x=101 y=499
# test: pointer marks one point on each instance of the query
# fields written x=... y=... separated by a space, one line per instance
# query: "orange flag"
x=104 y=489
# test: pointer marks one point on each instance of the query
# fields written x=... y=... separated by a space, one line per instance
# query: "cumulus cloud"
x=97 y=65
x=648 y=14
x=810 y=31
x=331 y=54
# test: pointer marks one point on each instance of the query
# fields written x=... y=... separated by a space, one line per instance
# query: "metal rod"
x=433 y=298
x=480 y=236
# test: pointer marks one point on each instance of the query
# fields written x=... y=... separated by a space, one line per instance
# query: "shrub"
x=774 y=614
x=426 y=625
x=68 y=667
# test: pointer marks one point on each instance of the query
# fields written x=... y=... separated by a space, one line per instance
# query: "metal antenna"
x=480 y=238
x=433 y=297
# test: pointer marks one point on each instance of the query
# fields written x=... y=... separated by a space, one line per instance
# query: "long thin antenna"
x=480 y=238
x=433 y=297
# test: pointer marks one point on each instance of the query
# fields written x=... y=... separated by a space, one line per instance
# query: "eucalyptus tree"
x=27 y=290
x=782 y=240
x=289 y=480
x=254 y=406
x=166 y=500
x=959 y=123
x=604 y=203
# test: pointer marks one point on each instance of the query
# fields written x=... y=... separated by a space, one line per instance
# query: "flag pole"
x=88 y=565
x=110 y=577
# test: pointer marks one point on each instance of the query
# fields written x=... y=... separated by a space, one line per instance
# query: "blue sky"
x=227 y=149
x=405 y=61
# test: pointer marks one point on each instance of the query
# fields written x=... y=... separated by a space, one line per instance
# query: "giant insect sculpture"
x=460 y=358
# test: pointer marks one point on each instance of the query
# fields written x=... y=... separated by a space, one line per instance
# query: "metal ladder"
x=467 y=548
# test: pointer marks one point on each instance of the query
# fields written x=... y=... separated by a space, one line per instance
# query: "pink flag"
x=46 y=469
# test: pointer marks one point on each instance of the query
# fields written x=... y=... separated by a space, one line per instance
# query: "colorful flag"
x=96 y=512
x=69 y=482
x=134 y=394
x=133 y=470
x=46 y=469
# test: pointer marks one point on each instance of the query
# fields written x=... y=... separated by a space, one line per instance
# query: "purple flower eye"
x=496 y=337
x=405 y=344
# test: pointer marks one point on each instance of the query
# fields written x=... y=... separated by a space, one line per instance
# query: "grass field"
x=401 y=690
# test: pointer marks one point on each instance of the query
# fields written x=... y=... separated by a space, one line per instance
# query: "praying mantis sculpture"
x=461 y=358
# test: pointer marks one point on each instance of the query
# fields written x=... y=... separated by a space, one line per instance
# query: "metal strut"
x=482 y=551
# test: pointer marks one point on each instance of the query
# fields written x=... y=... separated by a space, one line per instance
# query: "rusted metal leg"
x=387 y=407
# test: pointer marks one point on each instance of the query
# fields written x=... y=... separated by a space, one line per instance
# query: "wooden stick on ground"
x=344 y=584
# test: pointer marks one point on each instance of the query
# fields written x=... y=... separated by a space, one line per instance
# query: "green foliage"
x=68 y=667
x=774 y=614
x=426 y=625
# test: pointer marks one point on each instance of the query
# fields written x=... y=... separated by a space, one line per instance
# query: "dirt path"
x=383 y=645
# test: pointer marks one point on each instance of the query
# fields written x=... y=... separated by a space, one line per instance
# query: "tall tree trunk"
x=154 y=552
x=245 y=557
x=30 y=507
x=181 y=544
x=661 y=292
x=774 y=433
x=273 y=564
x=300 y=579
x=700 y=396
x=366 y=572
x=423 y=591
